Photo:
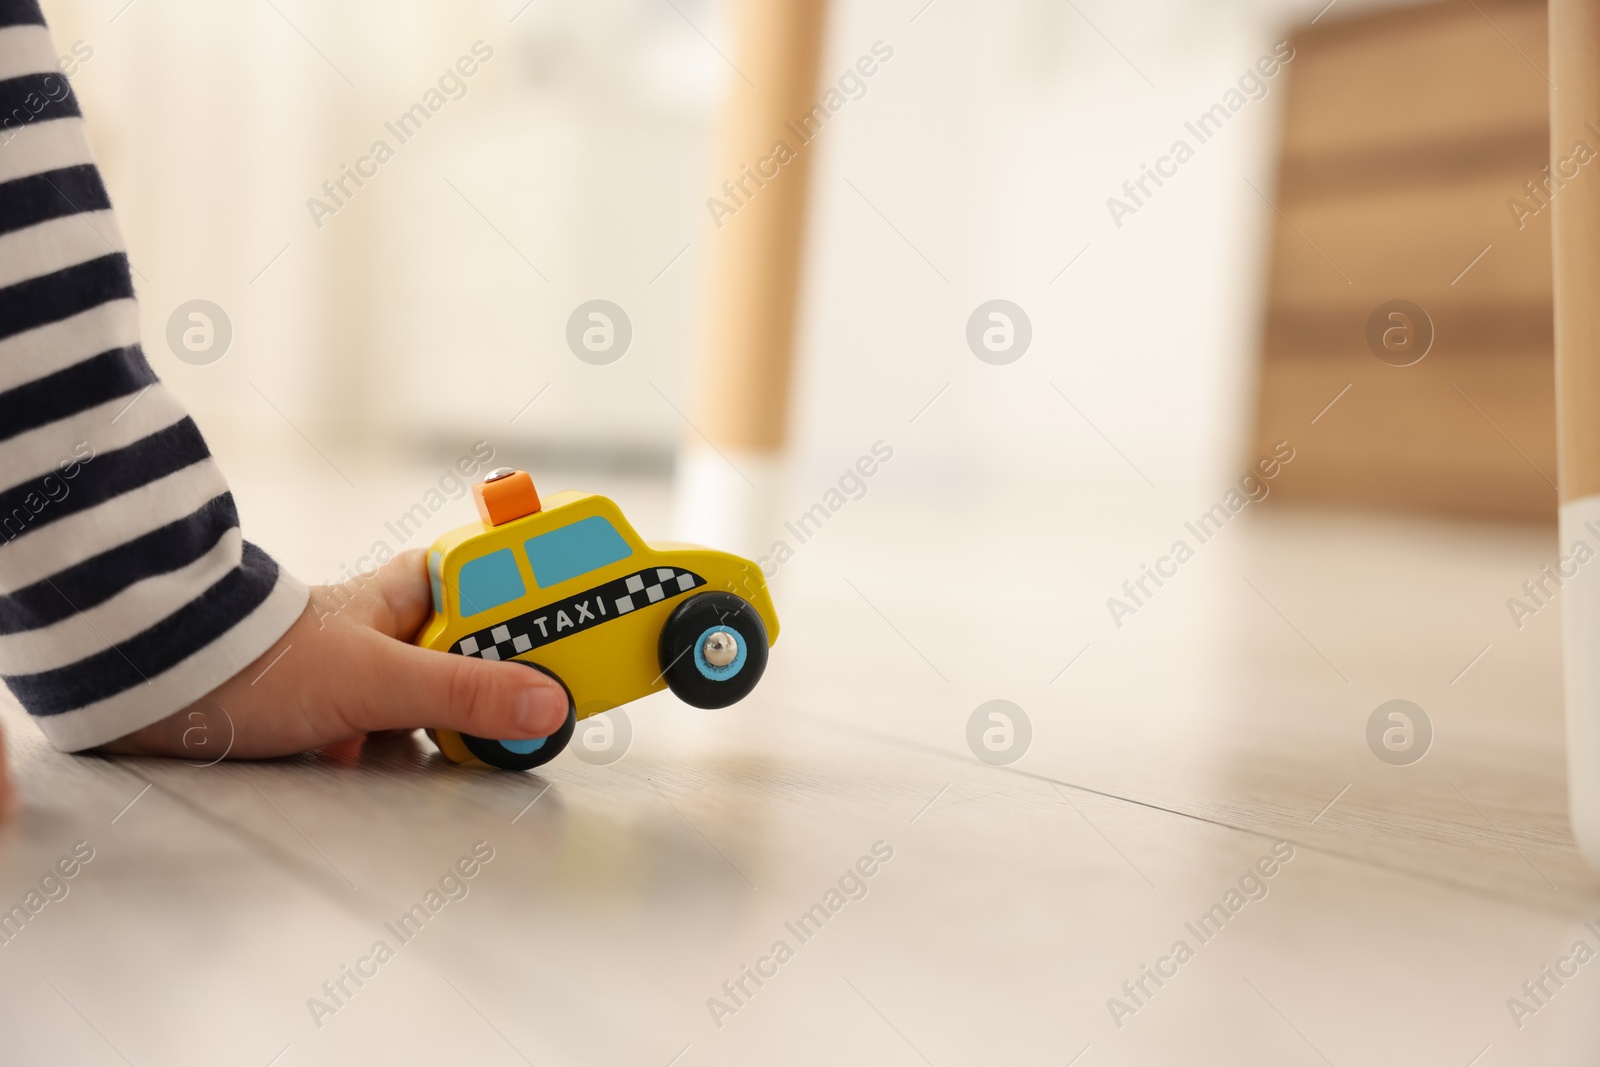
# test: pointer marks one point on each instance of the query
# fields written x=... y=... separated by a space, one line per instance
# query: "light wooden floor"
x=1166 y=759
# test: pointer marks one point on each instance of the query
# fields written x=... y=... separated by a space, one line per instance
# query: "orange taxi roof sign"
x=503 y=497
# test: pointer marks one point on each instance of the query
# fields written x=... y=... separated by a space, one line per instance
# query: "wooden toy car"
x=568 y=588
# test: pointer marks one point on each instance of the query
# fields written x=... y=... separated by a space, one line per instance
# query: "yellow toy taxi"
x=567 y=587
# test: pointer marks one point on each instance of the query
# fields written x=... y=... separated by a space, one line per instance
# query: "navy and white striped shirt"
x=126 y=589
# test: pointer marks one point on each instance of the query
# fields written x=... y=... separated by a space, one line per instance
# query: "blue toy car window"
x=436 y=581
x=576 y=549
x=489 y=581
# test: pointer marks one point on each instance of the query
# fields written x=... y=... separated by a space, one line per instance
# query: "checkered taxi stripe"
x=584 y=611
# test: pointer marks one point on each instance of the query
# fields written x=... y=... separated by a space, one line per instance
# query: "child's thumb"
x=410 y=687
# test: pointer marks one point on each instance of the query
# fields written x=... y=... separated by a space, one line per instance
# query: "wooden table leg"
x=750 y=245
x=1574 y=117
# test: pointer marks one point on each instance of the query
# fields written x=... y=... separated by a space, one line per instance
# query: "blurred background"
x=426 y=310
x=1177 y=334
x=1238 y=307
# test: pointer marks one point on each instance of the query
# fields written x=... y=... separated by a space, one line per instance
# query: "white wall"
x=992 y=142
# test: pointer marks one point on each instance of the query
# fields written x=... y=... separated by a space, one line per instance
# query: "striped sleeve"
x=126 y=589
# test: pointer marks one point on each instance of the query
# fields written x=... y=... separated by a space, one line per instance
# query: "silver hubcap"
x=720 y=649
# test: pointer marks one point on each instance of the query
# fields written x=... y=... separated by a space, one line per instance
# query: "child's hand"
x=350 y=673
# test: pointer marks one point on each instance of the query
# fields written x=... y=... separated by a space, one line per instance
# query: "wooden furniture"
x=729 y=470
x=750 y=287
x=1574 y=104
x=1408 y=137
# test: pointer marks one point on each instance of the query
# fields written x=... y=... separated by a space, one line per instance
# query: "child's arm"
x=126 y=590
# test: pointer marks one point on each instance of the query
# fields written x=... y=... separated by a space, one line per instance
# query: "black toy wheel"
x=525 y=755
x=713 y=650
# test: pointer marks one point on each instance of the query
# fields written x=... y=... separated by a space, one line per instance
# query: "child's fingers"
x=395 y=600
x=407 y=687
x=403 y=584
